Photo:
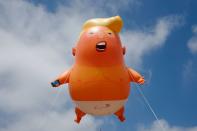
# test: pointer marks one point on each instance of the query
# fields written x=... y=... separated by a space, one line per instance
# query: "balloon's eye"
x=91 y=33
x=109 y=33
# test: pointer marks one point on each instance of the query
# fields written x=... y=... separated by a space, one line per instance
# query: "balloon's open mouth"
x=101 y=46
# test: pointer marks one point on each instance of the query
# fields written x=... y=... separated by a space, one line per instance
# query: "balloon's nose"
x=102 y=35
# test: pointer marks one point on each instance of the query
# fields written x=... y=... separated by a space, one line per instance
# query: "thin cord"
x=150 y=107
x=148 y=103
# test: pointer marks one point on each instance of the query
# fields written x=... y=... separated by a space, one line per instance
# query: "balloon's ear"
x=73 y=51
x=124 y=50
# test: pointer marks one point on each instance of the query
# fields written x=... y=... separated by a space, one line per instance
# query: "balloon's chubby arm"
x=62 y=79
x=135 y=76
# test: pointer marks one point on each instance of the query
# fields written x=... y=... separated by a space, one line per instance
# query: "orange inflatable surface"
x=99 y=80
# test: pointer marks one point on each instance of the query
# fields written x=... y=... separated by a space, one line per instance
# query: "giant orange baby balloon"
x=99 y=80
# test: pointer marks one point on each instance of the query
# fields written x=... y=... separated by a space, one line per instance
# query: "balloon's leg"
x=120 y=114
x=79 y=115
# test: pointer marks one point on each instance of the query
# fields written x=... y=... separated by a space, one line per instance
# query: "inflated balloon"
x=99 y=80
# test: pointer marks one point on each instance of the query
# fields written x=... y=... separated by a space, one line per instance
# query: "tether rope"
x=149 y=105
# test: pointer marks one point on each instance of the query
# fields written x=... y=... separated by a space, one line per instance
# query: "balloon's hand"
x=55 y=83
x=141 y=81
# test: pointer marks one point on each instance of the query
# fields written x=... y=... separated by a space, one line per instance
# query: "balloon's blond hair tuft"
x=114 y=23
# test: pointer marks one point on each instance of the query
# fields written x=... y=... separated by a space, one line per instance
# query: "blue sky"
x=38 y=35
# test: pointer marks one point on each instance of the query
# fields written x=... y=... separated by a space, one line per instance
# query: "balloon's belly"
x=99 y=91
x=100 y=108
x=99 y=84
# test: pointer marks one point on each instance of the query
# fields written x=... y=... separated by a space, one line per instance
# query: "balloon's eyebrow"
x=109 y=32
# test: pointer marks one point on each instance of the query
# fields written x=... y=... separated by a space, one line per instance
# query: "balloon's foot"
x=79 y=115
x=120 y=114
x=121 y=118
x=77 y=120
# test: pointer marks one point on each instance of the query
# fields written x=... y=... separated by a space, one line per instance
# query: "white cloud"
x=141 y=42
x=192 y=43
x=189 y=73
x=188 y=67
x=51 y=121
x=35 y=46
x=155 y=126
x=109 y=6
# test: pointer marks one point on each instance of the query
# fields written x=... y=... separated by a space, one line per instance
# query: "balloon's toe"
x=122 y=118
